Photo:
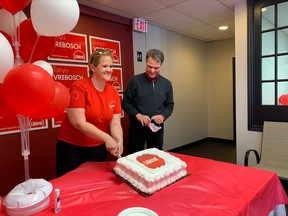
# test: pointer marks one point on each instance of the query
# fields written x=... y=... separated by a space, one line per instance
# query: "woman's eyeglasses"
x=103 y=51
x=100 y=52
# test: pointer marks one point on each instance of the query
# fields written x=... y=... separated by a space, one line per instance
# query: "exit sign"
x=140 y=25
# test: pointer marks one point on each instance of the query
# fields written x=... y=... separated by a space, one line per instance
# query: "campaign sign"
x=71 y=47
x=9 y=125
x=67 y=74
x=116 y=79
x=121 y=98
x=103 y=43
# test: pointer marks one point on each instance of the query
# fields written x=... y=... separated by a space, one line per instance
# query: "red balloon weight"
x=14 y=6
x=5 y=110
x=34 y=47
x=283 y=100
x=28 y=89
x=58 y=105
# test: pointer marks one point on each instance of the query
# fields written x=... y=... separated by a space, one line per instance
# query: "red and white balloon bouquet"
x=27 y=89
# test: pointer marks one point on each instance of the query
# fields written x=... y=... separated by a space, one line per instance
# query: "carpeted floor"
x=220 y=151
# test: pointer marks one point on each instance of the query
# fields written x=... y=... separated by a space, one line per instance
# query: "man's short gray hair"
x=156 y=55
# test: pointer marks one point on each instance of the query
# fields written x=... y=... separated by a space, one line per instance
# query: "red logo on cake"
x=151 y=161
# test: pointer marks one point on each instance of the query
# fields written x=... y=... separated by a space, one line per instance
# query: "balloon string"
x=34 y=47
x=17 y=30
x=24 y=123
x=13 y=28
x=16 y=40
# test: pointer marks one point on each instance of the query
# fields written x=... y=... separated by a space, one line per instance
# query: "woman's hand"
x=112 y=146
x=117 y=135
x=120 y=148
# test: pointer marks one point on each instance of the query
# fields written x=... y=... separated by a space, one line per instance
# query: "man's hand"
x=159 y=119
x=144 y=119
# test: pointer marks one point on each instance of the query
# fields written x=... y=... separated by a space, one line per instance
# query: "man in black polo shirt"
x=148 y=100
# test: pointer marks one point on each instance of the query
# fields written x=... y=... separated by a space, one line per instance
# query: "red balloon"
x=5 y=110
x=14 y=6
x=34 y=47
x=28 y=89
x=58 y=105
x=283 y=99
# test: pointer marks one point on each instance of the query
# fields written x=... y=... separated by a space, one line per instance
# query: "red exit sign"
x=140 y=25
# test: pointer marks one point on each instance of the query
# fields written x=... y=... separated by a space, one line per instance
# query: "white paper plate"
x=137 y=211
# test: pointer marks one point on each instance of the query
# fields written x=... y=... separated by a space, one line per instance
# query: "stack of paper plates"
x=137 y=211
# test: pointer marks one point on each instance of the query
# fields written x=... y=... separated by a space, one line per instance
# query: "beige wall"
x=220 y=88
x=202 y=83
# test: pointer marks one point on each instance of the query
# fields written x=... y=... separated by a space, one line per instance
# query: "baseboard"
x=221 y=140
x=201 y=141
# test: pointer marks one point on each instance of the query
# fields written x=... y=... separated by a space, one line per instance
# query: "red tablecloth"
x=212 y=188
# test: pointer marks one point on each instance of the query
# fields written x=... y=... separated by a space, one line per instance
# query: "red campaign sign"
x=67 y=74
x=103 y=43
x=9 y=125
x=70 y=47
x=56 y=122
x=116 y=79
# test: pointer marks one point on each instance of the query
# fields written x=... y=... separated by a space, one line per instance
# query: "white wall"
x=245 y=139
x=186 y=65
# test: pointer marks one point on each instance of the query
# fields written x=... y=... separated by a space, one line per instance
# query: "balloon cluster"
x=26 y=84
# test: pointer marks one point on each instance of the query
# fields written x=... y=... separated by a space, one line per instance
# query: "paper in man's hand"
x=154 y=127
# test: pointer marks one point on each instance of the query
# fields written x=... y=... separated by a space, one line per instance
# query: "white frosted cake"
x=150 y=170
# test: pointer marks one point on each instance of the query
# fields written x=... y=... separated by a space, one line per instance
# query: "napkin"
x=153 y=127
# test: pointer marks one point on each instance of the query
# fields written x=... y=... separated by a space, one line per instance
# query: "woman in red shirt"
x=92 y=126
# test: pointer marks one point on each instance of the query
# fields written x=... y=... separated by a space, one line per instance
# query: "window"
x=267 y=61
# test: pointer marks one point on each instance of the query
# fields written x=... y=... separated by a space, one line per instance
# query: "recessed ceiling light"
x=222 y=28
x=263 y=9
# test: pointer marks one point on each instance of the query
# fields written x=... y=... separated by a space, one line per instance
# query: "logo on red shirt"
x=112 y=105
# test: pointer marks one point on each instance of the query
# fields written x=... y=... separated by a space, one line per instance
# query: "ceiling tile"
x=208 y=11
x=229 y=23
x=171 y=2
x=230 y=3
x=195 y=18
x=207 y=31
x=135 y=7
x=173 y=18
x=94 y=4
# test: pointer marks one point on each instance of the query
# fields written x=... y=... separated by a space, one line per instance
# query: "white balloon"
x=6 y=57
x=9 y=22
x=45 y=65
x=19 y=17
x=54 y=18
